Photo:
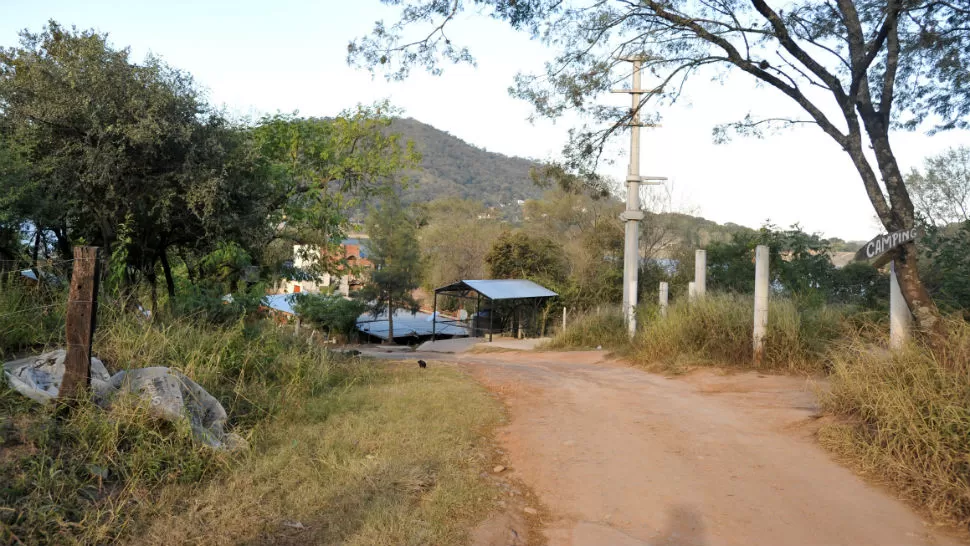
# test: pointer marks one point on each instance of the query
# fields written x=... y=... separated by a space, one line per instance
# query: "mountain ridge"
x=451 y=167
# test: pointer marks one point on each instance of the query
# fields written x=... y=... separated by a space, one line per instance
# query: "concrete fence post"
x=760 y=302
x=664 y=293
x=700 y=274
x=691 y=291
x=900 y=318
x=563 y=319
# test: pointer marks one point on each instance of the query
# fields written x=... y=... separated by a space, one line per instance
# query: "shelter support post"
x=491 y=313
x=434 y=318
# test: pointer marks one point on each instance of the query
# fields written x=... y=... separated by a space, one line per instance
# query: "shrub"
x=333 y=314
x=211 y=305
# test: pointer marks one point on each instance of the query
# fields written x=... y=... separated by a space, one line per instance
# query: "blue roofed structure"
x=502 y=296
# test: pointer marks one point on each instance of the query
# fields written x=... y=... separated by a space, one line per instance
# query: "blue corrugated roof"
x=502 y=289
x=280 y=302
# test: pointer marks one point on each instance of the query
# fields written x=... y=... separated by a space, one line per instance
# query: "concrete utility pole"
x=632 y=215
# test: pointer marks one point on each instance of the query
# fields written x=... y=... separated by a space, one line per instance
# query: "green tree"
x=854 y=68
x=396 y=257
x=947 y=264
x=321 y=171
x=332 y=313
x=110 y=142
x=455 y=237
x=518 y=255
x=942 y=192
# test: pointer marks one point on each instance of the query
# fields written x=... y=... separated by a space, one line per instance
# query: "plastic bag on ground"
x=39 y=377
x=171 y=395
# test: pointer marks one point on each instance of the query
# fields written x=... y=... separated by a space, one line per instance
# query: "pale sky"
x=259 y=57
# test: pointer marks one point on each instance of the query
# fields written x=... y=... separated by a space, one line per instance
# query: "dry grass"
x=394 y=461
x=718 y=331
x=904 y=419
x=591 y=330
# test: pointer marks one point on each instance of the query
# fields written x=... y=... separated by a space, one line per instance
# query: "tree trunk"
x=169 y=281
x=34 y=254
x=921 y=304
x=64 y=248
x=188 y=269
x=153 y=281
x=390 y=320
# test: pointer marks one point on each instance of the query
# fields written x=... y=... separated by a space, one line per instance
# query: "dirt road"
x=622 y=457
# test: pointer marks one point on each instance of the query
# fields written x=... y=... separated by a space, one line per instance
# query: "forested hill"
x=452 y=167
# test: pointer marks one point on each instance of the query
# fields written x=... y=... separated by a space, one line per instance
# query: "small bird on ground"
x=422 y=364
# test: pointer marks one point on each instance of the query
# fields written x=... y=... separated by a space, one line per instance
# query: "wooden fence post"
x=82 y=309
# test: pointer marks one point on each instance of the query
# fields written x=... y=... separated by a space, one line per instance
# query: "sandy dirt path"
x=622 y=457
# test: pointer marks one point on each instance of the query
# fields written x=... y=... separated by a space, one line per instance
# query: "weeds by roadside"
x=714 y=331
x=903 y=418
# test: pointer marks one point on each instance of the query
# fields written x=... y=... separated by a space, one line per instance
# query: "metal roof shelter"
x=515 y=291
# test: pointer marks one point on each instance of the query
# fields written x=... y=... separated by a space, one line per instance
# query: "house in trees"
x=348 y=264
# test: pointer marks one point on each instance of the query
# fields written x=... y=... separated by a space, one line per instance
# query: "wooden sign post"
x=82 y=307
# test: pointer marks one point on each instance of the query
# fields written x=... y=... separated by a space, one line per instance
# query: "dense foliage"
x=98 y=149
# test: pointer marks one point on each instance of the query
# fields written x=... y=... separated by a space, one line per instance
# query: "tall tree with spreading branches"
x=857 y=69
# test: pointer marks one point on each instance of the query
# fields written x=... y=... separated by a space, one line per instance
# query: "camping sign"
x=884 y=243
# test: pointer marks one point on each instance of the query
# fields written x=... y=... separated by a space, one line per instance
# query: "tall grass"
x=591 y=330
x=718 y=330
x=903 y=418
x=30 y=317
